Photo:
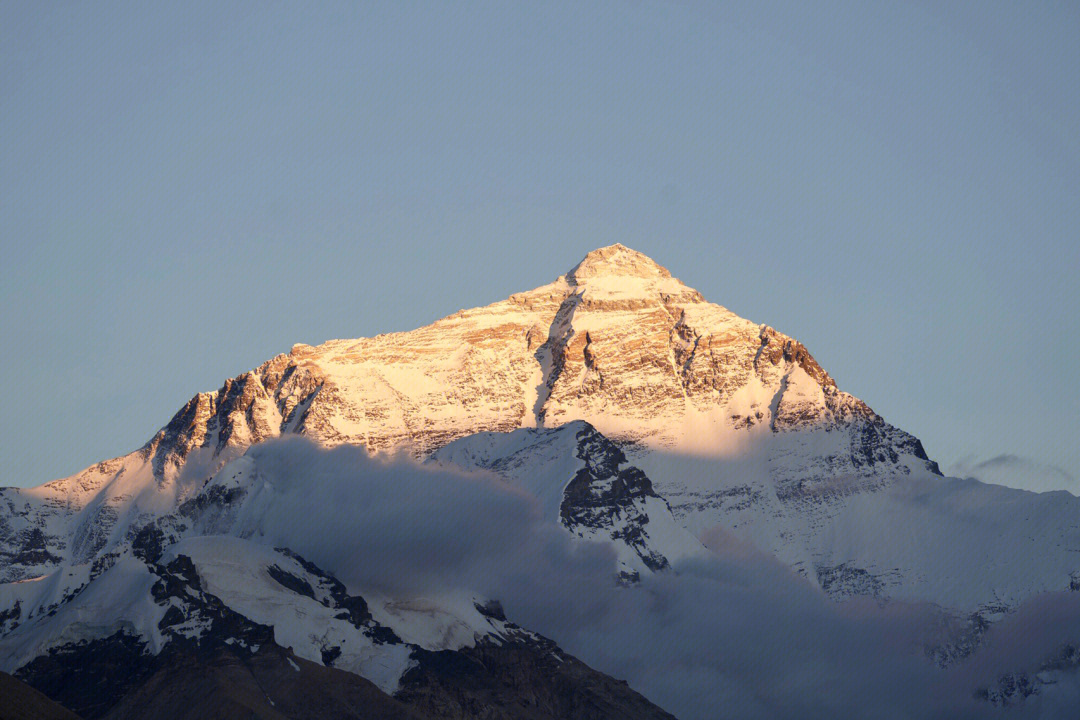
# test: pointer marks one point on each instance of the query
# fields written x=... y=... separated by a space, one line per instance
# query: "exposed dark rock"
x=213 y=496
x=113 y=679
x=32 y=549
x=960 y=637
x=90 y=677
x=148 y=544
x=492 y=609
x=9 y=618
x=330 y=654
x=103 y=562
x=605 y=495
x=271 y=684
x=93 y=533
x=218 y=663
x=173 y=616
x=286 y=579
x=219 y=626
x=170 y=446
x=776 y=348
x=353 y=607
x=526 y=678
x=844 y=581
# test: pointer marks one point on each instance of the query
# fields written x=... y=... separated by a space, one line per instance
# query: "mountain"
x=616 y=342
x=628 y=412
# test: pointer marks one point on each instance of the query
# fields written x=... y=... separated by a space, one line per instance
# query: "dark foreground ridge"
x=19 y=701
x=233 y=668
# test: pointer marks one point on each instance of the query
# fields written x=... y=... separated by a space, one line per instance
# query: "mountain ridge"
x=241 y=415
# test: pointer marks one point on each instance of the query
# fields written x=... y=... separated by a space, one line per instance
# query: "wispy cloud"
x=1015 y=471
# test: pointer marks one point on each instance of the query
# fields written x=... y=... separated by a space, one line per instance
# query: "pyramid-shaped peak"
x=616 y=261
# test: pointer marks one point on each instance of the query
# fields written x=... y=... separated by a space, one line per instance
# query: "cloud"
x=1015 y=471
x=736 y=634
x=394 y=525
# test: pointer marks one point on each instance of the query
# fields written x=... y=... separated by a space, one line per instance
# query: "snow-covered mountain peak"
x=615 y=261
x=616 y=277
x=617 y=342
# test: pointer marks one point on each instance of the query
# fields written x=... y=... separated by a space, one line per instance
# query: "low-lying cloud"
x=736 y=635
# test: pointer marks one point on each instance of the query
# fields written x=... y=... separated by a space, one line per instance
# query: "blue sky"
x=186 y=191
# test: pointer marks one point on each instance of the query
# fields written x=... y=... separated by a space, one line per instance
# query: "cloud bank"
x=734 y=635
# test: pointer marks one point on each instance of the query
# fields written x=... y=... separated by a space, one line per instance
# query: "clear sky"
x=188 y=190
